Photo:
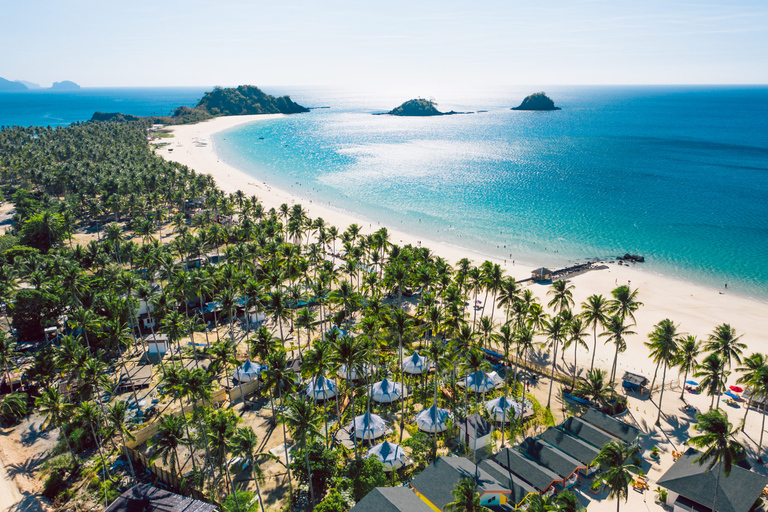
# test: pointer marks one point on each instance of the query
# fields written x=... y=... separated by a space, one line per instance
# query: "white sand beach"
x=696 y=309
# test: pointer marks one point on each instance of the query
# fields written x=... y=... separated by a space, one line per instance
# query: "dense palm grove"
x=339 y=301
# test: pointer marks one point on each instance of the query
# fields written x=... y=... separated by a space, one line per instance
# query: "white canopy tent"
x=500 y=408
x=385 y=392
x=353 y=373
x=248 y=372
x=390 y=454
x=369 y=426
x=416 y=364
x=433 y=420
x=478 y=382
x=321 y=388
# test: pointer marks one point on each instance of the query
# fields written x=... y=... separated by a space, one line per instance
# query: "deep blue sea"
x=677 y=174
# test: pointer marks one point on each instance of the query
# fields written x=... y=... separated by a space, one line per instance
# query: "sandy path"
x=696 y=308
x=9 y=493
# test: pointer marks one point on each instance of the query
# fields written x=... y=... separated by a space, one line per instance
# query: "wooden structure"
x=541 y=274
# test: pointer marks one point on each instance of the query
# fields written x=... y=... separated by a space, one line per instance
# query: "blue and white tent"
x=321 y=388
x=391 y=455
x=479 y=382
x=433 y=420
x=500 y=408
x=369 y=426
x=415 y=364
x=248 y=372
x=385 y=392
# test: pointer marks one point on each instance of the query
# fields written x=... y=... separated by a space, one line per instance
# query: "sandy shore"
x=695 y=308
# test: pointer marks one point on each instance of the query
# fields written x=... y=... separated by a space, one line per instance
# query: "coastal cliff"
x=537 y=101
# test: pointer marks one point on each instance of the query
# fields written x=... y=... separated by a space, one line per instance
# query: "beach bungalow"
x=540 y=478
x=626 y=433
x=541 y=274
x=634 y=382
x=435 y=484
x=391 y=499
x=586 y=432
x=553 y=459
x=475 y=431
x=157 y=344
x=146 y=498
x=519 y=488
x=692 y=488
x=572 y=446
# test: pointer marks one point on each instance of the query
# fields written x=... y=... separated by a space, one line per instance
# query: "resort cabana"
x=321 y=388
x=433 y=420
x=475 y=431
x=500 y=409
x=572 y=446
x=391 y=455
x=248 y=372
x=479 y=382
x=541 y=478
x=368 y=426
x=435 y=484
x=553 y=459
x=541 y=274
x=391 y=499
x=586 y=432
x=146 y=498
x=385 y=391
x=353 y=373
x=626 y=433
x=415 y=364
x=519 y=488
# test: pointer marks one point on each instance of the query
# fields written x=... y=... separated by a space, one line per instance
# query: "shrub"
x=53 y=485
x=661 y=494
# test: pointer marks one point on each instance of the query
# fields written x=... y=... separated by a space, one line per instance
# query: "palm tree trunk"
x=594 y=348
x=760 y=444
x=309 y=476
x=653 y=381
x=613 y=368
x=717 y=487
x=552 y=378
x=285 y=447
x=661 y=395
x=130 y=462
x=352 y=397
x=682 y=393
x=749 y=404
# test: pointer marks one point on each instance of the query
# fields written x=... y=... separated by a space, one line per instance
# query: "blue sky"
x=393 y=42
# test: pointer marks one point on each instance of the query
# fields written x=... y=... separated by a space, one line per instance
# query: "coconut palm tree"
x=594 y=388
x=713 y=373
x=57 y=411
x=116 y=419
x=624 y=303
x=436 y=353
x=317 y=365
x=750 y=367
x=279 y=379
x=562 y=295
x=616 y=332
x=465 y=498
x=618 y=473
x=302 y=419
x=351 y=354
x=400 y=324
x=687 y=353
x=88 y=413
x=718 y=440
x=595 y=313
x=555 y=330
x=724 y=342
x=664 y=345
x=169 y=437
x=244 y=444
x=575 y=334
x=759 y=384
x=8 y=355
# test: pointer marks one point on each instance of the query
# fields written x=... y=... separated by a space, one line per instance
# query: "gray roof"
x=550 y=457
x=626 y=433
x=634 y=378
x=438 y=480
x=737 y=492
x=475 y=426
x=533 y=473
x=587 y=432
x=391 y=499
x=519 y=488
x=573 y=446
x=145 y=498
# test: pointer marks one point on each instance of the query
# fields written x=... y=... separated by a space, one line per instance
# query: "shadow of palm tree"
x=26 y=467
x=28 y=503
x=32 y=433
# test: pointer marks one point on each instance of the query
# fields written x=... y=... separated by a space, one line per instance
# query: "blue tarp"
x=577 y=399
x=492 y=353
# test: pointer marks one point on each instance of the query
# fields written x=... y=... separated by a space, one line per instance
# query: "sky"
x=109 y=43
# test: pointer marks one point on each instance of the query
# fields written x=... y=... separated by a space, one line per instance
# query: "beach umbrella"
x=499 y=408
x=415 y=364
x=321 y=388
x=692 y=382
x=390 y=454
x=433 y=420
x=369 y=426
x=732 y=395
x=385 y=392
x=248 y=372
x=478 y=382
x=736 y=389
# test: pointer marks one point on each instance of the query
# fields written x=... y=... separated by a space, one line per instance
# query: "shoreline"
x=696 y=308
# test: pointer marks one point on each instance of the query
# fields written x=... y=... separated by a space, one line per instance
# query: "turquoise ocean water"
x=677 y=174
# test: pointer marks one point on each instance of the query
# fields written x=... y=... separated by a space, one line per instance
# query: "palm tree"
x=752 y=364
x=465 y=498
x=436 y=353
x=718 y=441
x=759 y=384
x=624 y=303
x=473 y=363
x=90 y=414
x=724 y=342
x=351 y=354
x=244 y=444
x=554 y=328
x=540 y=503
x=616 y=331
x=712 y=372
x=567 y=501
x=594 y=387
x=8 y=355
x=280 y=379
x=686 y=358
x=595 y=312
x=170 y=436
x=56 y=410
x=400 y=324
x=116 y=419
x=618 y=473
x=664 y=344
x=562 y=295
x=575 y=336
x=302 y=419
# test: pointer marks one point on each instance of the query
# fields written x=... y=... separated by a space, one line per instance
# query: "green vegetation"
x=416 y=108
x=537 y=101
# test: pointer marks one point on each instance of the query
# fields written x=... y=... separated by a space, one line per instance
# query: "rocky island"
x=65 y=85
x=537 y=101
x=419 y=108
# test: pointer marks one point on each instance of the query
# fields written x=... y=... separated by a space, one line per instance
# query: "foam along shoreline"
x=697 y=309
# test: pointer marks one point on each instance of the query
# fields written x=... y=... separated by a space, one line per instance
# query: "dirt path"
x=9 y=493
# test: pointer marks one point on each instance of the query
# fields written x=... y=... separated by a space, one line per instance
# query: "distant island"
x=420 y=108
x=233 y=101
x=537 y=101
x=23 y=85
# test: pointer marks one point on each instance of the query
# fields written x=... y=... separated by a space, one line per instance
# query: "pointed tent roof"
x=249 y=371
x=499 y=407
x=736 y=493
x=390 y=454
x=321 y=388
x=432 y=420
x=369 y=426
x=415 y=364
x=386 y=391
x=479 y=382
